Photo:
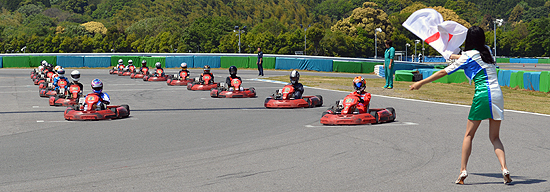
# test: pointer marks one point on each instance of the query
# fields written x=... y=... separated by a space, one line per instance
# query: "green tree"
x=76 y=6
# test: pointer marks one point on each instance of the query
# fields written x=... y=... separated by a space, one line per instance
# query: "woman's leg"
x=471 y=128
x=494 y=129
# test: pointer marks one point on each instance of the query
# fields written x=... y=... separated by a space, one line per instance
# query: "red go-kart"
x=156 y=77
x=180 y=79
x=106 y=112
x=346 y=113
x=205 y=86
x=139 y=75
x=235 y=91
x=49 y=91
x=66 y=99
x=131 y=69
x=282 y=99
x=115 y=70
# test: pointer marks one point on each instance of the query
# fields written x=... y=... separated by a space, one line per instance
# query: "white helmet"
x=130 y=62
x=43 y=63
x=183 y=65
x=56 y=68
x=75 y=75
x=120 y=61
x=294 y=77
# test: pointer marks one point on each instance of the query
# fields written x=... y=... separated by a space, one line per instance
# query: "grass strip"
x=457 y=93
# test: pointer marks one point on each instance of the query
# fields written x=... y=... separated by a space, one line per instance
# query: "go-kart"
x=129 y=71
x=177 y=80
x=283 y=99
x=204 y=85
x=345 y=112
x=139 y=74
x=49 y=90
x=79 y=113
x=158 y=76
x=66 y=98
x=236 y=91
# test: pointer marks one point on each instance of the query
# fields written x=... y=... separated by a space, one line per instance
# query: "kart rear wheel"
x=308 y=102
x=127 y=107
x=115 y=111
x=375 y=115
x=392 y=111
x=320 y=100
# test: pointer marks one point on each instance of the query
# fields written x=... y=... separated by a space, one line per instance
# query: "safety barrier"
x=135 y=60
x=239 y=62
x=35 y=61
x=538 y=81
x=71 y=61
x=303 y=64
x=212 y=61
x=16 y=61
x=404 y=75
x=175 y=61
x=503 y=60
x=151 y=61
x=531 y=80
x=97 y=61
x=523 y=60
x=544 y=85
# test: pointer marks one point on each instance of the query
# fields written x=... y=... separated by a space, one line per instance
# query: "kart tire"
x=114 y=111
x=308 y=102
x=320 y=100
x=127 y=109
x=375 y=115
x=392 y=111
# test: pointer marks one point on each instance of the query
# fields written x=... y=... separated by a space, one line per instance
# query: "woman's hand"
x=416 y=86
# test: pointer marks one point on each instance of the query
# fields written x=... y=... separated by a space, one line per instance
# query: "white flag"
x=444 y=36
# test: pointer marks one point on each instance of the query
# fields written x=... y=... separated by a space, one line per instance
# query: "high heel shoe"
x=506 y=176
x=461 y=177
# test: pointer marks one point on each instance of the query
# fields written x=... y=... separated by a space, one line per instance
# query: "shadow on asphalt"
x=516 y=180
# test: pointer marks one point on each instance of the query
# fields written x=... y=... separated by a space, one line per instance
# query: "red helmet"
x=359 y=83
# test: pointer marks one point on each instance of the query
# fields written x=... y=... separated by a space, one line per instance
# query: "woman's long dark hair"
x=475 y=39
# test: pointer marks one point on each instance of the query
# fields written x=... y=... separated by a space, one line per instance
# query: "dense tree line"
x=332 y=27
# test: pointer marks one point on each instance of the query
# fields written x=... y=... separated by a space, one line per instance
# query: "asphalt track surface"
x=180 y=140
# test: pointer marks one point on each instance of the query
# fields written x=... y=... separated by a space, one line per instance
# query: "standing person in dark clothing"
x=260 y=62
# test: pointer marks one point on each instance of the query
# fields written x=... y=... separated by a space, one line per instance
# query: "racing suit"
x=298 y=90
x=57 y=79
x=131 y=68
x=228 y=81
x=364 y=100
x=183 y=75
x=103 y=99
x=201 y=81
x=144 y=67
x=159 y=72
x=77 y=83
